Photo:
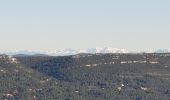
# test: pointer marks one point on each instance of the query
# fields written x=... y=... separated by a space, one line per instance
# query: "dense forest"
x=85 y=77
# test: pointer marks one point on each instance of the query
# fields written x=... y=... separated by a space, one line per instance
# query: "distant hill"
x=86 y=77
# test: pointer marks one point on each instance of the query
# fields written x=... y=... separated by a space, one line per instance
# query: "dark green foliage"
x=86 y=77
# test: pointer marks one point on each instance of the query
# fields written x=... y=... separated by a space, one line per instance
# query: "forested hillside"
x=85 y=77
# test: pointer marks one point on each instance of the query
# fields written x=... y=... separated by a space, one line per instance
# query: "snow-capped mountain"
x=65 y=52
x=62 y=52
x=113 y=50
x=162 y=51
x=26 y=52
x=106 y=50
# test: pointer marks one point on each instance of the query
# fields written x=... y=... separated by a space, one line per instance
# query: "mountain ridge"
x=69 y=51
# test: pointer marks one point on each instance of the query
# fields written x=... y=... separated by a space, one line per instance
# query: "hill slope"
x=86 y=77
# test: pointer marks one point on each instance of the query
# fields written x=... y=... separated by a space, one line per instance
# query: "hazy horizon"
x=49 y=25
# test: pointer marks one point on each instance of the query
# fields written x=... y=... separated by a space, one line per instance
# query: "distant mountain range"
x=65 y=52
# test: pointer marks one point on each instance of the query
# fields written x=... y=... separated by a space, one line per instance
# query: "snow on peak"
x=162 y=51
x=106 y=50
x=113 y=50
x=68 y=51
x=90 y=50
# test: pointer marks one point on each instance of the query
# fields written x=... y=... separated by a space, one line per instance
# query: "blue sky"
x=80 y=24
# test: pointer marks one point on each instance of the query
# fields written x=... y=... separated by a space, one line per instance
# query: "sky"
x=81 y=24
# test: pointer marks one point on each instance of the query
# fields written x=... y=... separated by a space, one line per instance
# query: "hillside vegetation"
x=85 y=77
